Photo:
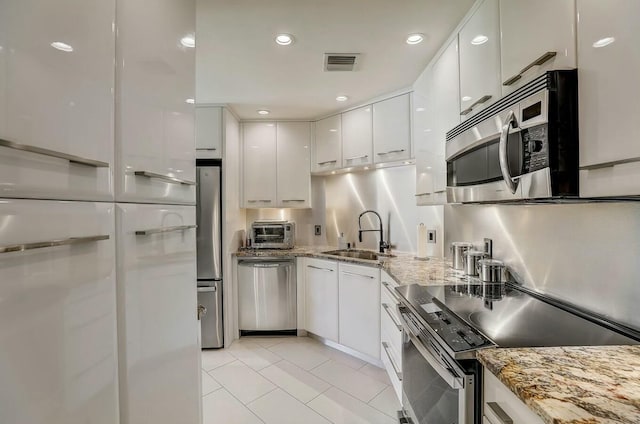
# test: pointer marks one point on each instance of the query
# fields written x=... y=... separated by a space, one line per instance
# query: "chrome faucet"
x=383 y=244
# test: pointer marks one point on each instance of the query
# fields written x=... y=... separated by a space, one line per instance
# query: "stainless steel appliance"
x=459 y=250
x=524 y=146
x=267 y=295
x=209 y=245
x=273 y=234
x=444 y=326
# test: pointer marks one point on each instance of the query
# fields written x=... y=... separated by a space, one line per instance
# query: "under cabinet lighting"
x=284 y=39
x=479 y=39
x=188 y=41
x=366 y=168
x=64 y=47
x=603 y=42
x=415 y=38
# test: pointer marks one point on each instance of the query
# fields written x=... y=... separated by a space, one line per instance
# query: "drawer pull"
x=164 y=230
x=52 y=243
x=390 y=152
x=396 y=323
x=327 y=161
x=162 y=177
x=481 y=100
x=539 y=61
x=52 y=153
x=353 y=274
x=390 y=290
x=386 y=348
x=499 y=413
x=320 y=269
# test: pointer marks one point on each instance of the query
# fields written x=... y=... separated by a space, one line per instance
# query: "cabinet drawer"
x=59 y=297
x=499 y=400
x=391 y=332
x=393 y=366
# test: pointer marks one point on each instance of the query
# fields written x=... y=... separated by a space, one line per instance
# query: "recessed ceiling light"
x=419 y=109
x=415 y=38
x=270 y=125
x=603 y=42
x=263 y=112
x=284 y=39
x=479 y=39
x=190 y=101
x=59 y=45
x=342 y=98
x=188 y=41
x=466 y=98
x=333 y=130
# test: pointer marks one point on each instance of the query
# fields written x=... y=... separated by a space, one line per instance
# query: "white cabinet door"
x=359 y=311
x=56 y=103
x=530 y=30
x=58 y=314
x=328 y=144
x=392 y=129
x=157 y=323
x=209 y=130
x=294 y=164
x=321 y=298
x=259 y=164
x=436 y=105
x=357 y=137
x=390 y=333
x=480 y=83
x=608 y=70
x=155 y=142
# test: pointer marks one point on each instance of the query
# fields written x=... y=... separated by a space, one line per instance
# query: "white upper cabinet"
x=56 y=99
x=608 y=67
x=328 y=144
x=532 y=31
x=480 y=83
x=259 y=164
x=357 y=137
x=436 y=111
x=294 y=162
x=392 y=129
x=209 y=130
x=155 y=141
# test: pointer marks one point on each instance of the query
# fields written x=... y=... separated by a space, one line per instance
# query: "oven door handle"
x=502 y=153
x=453 y=381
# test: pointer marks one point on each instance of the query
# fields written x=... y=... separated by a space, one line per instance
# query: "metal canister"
x=471 y=258
x=459 y=248
x=492 y=271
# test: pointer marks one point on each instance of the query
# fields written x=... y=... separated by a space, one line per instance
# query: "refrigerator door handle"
x=207 y=289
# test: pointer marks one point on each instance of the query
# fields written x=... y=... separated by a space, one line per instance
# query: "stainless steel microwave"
x=524 y=146
x=272 y=234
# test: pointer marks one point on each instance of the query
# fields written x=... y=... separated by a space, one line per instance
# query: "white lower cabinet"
x=390 y=333
x=157 y=322
x=321 y=298
x=359 y=310
x=58 y=361
x=500 y=405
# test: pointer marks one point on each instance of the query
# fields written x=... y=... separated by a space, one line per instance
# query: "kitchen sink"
x=357 y=254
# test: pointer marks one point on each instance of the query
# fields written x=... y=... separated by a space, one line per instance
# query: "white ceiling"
x=239 y=63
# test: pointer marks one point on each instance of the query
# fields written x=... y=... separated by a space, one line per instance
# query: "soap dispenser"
x=342 y=243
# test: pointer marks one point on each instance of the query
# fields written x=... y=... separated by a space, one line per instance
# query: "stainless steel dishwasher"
x=267 y=295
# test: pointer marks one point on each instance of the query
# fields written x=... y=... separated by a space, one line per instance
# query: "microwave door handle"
x=502 y=153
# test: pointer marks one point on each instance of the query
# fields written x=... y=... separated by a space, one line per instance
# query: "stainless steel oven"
x=436 y=389
x=524 y=146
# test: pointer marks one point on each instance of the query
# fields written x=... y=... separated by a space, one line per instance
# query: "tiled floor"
x=279 y=380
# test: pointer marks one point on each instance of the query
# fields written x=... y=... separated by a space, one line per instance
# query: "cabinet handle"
x=164 y=230
x=539 y=61
x=499 y=413
x=358 y=157
x=481 y=100
x=388 y=287
x=163 y=177
x=52 y=153
x=609 y=164
x=353 y=274
x=391 y=151
x=320 y=269
x=327 y=161
x=263 y=201
x=206 y=148
x=52 y=243
x=423 y=194
x=386 y=348
x=396 y=323
x=294 y=200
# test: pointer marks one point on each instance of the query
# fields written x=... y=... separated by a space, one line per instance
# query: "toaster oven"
x=273 y=234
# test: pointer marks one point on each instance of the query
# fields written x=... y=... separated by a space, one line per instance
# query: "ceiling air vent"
x=340 y=61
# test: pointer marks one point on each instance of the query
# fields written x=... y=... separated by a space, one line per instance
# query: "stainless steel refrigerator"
x=209 y=244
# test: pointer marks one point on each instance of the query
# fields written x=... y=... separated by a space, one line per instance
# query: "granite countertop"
x=572 y=385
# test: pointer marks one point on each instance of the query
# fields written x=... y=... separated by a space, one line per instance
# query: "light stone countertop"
x=572 y=385
x=563 y=385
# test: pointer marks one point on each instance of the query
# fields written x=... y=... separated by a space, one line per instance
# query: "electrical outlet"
x=318 y=230
x=431 y=236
